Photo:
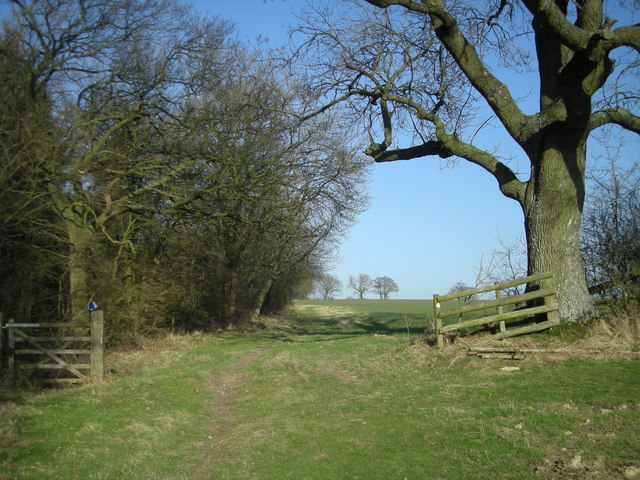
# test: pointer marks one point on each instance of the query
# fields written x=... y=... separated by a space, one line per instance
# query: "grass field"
x=328 y=391
x=382 y=316
x=399 y=307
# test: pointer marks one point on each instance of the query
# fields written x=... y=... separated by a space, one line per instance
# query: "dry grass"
x=609 y=335
x=153 y=351
x=324 y=311
x=619 y=331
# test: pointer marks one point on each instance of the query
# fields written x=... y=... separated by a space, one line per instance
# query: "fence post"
x=97 y=345
x=438 y=321
x=499 y=308
x=549 y=283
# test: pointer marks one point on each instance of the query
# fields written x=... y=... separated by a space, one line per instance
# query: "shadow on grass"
x=12 y=393
x=305 y=327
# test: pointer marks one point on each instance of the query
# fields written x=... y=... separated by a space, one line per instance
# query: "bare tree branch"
x=495 y=92
x=550 y=14
x=618 y=116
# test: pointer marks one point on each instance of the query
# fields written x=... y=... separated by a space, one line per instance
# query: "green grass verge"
x=397 y=316
x=398 y=307
x=376 y=316
x=338 y=397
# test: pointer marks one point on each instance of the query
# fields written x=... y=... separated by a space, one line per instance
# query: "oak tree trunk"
x=553 y=210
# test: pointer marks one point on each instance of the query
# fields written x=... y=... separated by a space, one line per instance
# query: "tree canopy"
x=384 y=286
x=147 y=164
x=422 y=79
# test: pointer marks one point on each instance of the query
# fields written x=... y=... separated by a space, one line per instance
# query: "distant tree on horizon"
x=328 y=285
x=360 y=284
x=384 y=286
x=462 y=287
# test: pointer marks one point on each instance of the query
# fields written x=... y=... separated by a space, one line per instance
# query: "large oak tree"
x=419 y=76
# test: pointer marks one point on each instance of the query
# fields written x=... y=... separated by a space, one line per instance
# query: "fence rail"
x=546 y=292
x=35 y=346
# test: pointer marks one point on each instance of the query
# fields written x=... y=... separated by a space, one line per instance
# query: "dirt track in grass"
x=224 y=389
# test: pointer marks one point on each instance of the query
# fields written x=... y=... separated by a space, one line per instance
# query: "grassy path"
x=224 y=390
x=327 y=394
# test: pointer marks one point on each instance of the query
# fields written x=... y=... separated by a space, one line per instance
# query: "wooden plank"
x=523 y=297
x=527 y=312
x=57 y=339
x=64 y=325
x=498 y=286
x=52 y=356
x=534 y=327
x=49 y=325
x=62 y=343
x=549 y=283
x=54 y=351
x=54 y=366
x=24 y=325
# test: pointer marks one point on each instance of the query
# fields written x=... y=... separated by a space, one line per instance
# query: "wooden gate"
x=71 y=353
x=546 y=292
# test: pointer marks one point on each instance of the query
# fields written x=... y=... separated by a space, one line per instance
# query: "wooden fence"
x=74 y=352
x=546 y=292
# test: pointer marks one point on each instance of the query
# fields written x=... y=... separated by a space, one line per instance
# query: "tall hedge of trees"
x=146 y=165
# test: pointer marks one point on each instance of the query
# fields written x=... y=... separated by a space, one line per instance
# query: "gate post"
x=97 y=345
x=550 y=284
x=438 y=321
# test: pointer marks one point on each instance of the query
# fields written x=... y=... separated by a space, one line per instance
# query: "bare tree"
x=107 y=79
x=360 y=284
x=462 y=287
x=384 y=286
x=288 y=191
x=508 y=261
x=611 y=232
x=31 y=258
x=328 y=285
x=156 y=124
x=418 y=76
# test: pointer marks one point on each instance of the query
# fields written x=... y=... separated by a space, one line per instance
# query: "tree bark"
x=230 y=296
x=79 y=245
x=552 y=211
x=261 y=295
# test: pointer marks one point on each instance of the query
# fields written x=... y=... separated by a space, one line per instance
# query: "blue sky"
x=428 y=227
